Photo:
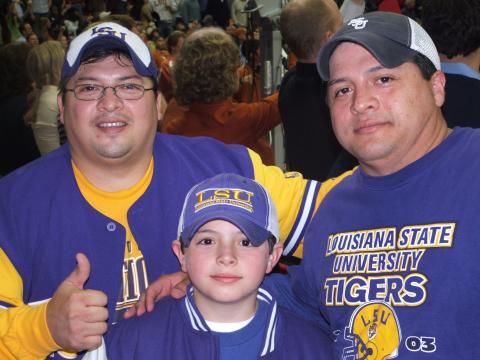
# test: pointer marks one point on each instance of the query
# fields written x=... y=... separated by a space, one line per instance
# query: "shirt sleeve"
x=282 y=286
x=24 y=332
x=45 y=127
x=295 y=199
x=47 y=137
x=264 y=114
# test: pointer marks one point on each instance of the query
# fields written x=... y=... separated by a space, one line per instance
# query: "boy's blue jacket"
x=176 y=330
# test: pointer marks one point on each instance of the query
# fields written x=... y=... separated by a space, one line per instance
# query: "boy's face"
x=225 y=268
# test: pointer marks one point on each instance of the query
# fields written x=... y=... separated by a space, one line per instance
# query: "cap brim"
x=255 y=233
x=388 y=52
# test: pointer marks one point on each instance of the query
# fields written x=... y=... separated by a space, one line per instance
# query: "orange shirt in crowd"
x=228 y=121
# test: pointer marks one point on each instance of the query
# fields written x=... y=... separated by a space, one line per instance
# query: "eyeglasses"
x=89 y=92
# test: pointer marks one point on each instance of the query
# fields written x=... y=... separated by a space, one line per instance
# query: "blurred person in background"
x=310 y=143
x=238 y=16
x=19 y=8
x=454 y=26
x=250 y=89
x=190 y=11
x=40 y=9
x=351 y=9
x=10 y=23
x=165 y=10
x=17 y=145
x=28 y=15
x=165 y=63
x=146 y=13
x=205 y=74
x=44 y=64
x=63 y=40
x=32 y=39
x=26 y=29
x=45 y=27
x=220 y=11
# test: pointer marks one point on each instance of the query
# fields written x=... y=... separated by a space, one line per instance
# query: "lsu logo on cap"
x=224 y=196
x=358 y=23
x=107 y=30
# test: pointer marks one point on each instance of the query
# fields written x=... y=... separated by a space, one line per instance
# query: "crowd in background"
x=36 y=21
x=35 y=34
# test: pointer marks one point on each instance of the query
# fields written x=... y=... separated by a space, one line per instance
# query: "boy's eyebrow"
x=204 y=231
x=208 y=230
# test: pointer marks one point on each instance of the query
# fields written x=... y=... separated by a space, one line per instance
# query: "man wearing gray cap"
x=110 y=199
x=391 y=256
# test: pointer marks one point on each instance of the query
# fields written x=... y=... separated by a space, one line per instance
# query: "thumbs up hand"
x=76 y=317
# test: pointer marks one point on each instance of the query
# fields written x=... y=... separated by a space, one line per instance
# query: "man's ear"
x=177 y=249
x=438 y=87
x=60 y=108
x=274 y=257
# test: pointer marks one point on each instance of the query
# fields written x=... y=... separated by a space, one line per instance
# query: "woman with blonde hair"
x=44 y=64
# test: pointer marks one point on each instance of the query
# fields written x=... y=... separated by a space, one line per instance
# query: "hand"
x=76 y=317
x=247 y=79
x=174 y=285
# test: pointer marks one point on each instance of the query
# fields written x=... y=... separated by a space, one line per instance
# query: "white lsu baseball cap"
x=109 y=35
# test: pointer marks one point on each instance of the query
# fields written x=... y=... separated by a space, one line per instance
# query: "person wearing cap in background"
x=391 y=255
x=111 y=199
x=227 y=241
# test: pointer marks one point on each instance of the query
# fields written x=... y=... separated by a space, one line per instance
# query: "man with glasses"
x=128 y=91
x=109 y=200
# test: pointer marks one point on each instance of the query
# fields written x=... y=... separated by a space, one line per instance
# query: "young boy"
x=227 y=242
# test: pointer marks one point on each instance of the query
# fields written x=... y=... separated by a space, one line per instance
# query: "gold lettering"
x=221 y=194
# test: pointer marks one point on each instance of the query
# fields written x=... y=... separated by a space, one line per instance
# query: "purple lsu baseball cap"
x=391 y=38
x=109 y=35
x=233 y=198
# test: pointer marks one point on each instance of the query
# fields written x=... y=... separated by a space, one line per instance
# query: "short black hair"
x=271 y=243
x=453 y=25
x=425 y=65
